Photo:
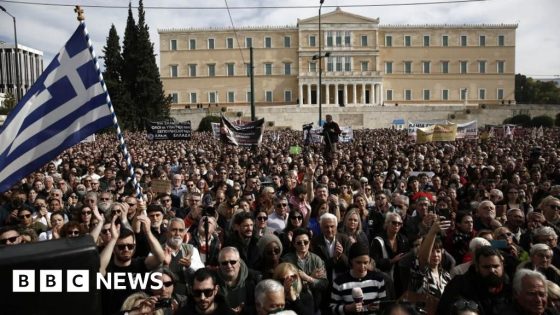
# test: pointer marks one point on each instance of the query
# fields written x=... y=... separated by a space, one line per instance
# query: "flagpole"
x=120 y=134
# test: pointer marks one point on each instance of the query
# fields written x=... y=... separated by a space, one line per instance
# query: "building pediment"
x=339 y=17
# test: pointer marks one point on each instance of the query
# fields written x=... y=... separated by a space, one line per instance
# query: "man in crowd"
x=331 y=131
x=205 y=295
x=529 y=294
x=277 y=220
x=243 y=239
x=269 y=297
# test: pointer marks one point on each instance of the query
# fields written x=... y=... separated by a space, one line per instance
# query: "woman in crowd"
x=297 y=296
x=295 y=220
x=513 y=201
x=270 y=249
x=57 y=221
x=208 y=252
x=352 y=226
x=317 y=210
x=458 y=239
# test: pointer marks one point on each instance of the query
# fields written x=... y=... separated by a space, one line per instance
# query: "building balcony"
x=340 y=74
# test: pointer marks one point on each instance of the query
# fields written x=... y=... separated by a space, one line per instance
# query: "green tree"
x=530 y=91
x=522 y=120
x=129 y=70
x=206 y=123
x=544 y=121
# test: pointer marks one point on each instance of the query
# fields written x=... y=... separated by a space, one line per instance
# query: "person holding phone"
x=513 y=253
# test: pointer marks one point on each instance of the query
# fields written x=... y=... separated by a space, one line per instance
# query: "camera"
x=163 y=303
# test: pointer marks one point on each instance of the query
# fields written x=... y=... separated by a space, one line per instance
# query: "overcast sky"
x=47 y=27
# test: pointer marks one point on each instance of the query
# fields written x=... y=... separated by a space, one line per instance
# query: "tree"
x=206 y=123
x=129 y=70
x=544 y=121
x=522 y=120
x=530 y=91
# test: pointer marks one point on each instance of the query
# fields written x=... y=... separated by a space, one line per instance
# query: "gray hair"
x=477 y=243
x=390 y=216
x=228 y=249
x=179 y=220
x=266 y=287
x=521 y=274
x=328 y=216
x=403 y=198
x=537 y=248
x=545 y=231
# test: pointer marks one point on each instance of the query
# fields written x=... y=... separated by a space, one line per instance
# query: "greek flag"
x=67 y=103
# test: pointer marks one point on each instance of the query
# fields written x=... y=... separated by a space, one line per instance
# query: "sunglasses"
x=167 y=284
x=24 y=216
x=225 y=263
x=131 y=204
x=86 y=212
x=396 y=223
x=74 y=233
x=275 y=251
x=262 y=218
x=297 y=217
x=207 y=293
x=462 y=305
x=126 y=246
x=302 y=243
x=281 y=205
x=9 y=239
x=105 y=231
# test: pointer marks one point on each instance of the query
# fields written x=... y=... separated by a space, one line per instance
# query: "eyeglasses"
x=279 y=205
x=462 y=305
x=297 y=217
x=167 y=284
x=207 y=293
x=302 y=243
x=73 y=233
x=262 y=218
x=131 y=204
x=166 y=200
x=396 y=223
x=86 y=212
x=105 y=231
x=126 y=246
x=543 y=255
x=225 y=263
x=24 y=216
x=9 y=239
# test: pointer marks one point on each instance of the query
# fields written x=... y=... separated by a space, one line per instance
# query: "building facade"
x=363 y=63
x=30 y=64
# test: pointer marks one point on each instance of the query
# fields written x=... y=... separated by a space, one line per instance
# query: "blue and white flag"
x=67 y=104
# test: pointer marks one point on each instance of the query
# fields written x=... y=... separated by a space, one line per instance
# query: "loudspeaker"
x=52 y=256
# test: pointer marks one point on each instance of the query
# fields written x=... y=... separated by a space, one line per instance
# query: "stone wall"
x=371 y=116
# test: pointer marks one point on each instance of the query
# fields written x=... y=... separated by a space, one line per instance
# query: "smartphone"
x=163 y=303
x=498 y=244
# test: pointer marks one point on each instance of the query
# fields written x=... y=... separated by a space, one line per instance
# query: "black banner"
x=169 y=130
x=247 y=134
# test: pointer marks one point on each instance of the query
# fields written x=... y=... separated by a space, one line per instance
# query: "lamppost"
x=319 y=57
x=16 y=94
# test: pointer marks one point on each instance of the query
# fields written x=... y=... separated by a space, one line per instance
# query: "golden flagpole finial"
x=80 y=13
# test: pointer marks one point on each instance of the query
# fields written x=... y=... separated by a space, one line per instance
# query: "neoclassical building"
x=364 y=63
x=30 y=65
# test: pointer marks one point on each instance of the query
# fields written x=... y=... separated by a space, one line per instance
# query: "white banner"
x=216 y=130
x=347 y=134
x=467 y=130
x=413 y=125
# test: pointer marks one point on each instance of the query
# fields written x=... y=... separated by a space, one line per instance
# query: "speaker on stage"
x=50 y=277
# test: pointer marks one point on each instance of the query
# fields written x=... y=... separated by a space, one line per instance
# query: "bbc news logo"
x=79 y=281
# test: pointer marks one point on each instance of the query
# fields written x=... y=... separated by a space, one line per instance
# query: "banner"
x=467 y=130
x=347 y=134
x=247 y=134
x=414 y=125
x=446 y=132
x=169 y=130
x=424 y=135
x=216 y=130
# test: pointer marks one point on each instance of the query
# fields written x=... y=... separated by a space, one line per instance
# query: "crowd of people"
x=379 y=225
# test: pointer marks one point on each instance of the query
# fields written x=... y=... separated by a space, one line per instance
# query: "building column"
x=381 y=98
x=327 y=94
x=364 y=93
x=345 y=92
x=308 y=94
x=336 y=93
x=354 y=92
x=373 y=95
x=300 y=95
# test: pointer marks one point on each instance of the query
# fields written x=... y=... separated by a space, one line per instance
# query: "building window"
x=338 y=39
x=329 y=39
x=426 y=95
x=287 y=68
x=501 y=66
x=364 y=41
x=287 y=96
x=231 y=97
x=501 y=40
x=482 y=40
x=174 y=98
x=445 y=95
x=464 y=40
x=312 y=40
x=193 y=98
x=173 y=71
x=347 y=39
x=464 y=94
x=481 y=66
x=192 y=70
x=330 y=64
x=312 y=67
x=248 y=42
x=268 y=96
x=339 y=63
x=268 y=69
x=364 y=65
x=407 y=41
x=268 y=42
x=212 y=70
x=173 y=44
x=408 y=95
x=463 y=67
x=347 y=63
x=444 y=40
x=192 y=44
x=426 y=40
x=408 y=67
x=229 y=42
x=389 y=41
x=230 y=69
x=212 y=97
x=287 y=42
x=388 y=67
x=500 y=94
x=445 y=66
x=481 y=94
x=211 y=43
x=389 y=95
x=425 y=67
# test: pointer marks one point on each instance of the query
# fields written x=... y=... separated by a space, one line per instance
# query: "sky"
x=47 y=25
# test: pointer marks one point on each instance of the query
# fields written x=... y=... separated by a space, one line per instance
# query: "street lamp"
x=16 y=95
x=320 y=56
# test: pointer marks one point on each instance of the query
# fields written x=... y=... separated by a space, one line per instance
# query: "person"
x=474 y=244
x=295 y=220
x=269 y=297
x=139 y=303
x=205 y=294
x=352 y=226
x=208 y=252
x=485 y=283
x=261 y=228
x=540 y=260
x=270 y=249
x=243 y=239
x=457 y=240
x=331 y=132
x=166 y=292
x=237 y=282
x=465 y=307
x=277 y=220
x=298 y=298
x=371 y=283
x=9 y=235
x=57 y=221
x=529 y=294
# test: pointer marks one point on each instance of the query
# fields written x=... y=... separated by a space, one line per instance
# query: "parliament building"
x=364 y=63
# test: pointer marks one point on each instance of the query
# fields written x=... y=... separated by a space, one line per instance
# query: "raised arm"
x=158 y=256
x=107 y=252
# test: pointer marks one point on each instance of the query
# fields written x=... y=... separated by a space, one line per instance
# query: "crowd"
x=378 y=225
